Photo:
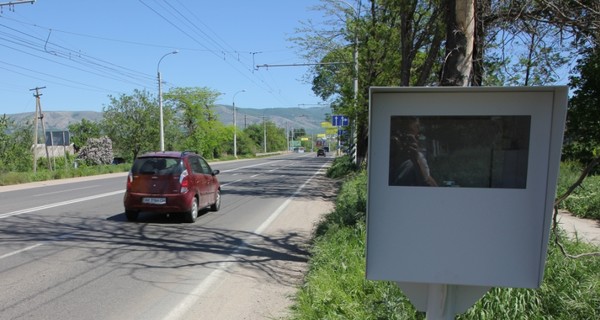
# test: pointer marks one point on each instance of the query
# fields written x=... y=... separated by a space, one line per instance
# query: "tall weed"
x=341 y=167
x=350 y=205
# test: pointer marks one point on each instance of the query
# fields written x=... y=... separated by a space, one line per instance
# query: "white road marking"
x=64 y=236
x=236 y=169
x=62 y=191
x=58 y=204
x=230 y=183
x=19 y=251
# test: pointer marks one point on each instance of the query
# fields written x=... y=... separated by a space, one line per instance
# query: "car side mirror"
x=216 y=172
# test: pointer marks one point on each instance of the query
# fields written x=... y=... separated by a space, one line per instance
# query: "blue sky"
x=82 y=51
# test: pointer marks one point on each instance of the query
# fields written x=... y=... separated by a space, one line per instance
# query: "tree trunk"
x=460 y=40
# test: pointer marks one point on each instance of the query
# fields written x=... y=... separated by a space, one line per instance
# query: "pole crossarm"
x=12 y=3
x=258 y=66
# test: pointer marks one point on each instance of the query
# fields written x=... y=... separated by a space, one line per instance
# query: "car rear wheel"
x=131 y=215
x=217 y=205
x=192 y=215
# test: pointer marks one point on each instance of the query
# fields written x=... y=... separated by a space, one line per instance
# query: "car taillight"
x=129 y=181
x=184 y=182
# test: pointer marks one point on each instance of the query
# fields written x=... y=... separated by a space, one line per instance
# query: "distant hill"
x=307 y=118
x=58 y=120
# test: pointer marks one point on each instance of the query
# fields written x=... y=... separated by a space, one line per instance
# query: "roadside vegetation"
x=335 y=286
x=128 y=129
x=60 y=172
x=69 y=167
x=584 y=202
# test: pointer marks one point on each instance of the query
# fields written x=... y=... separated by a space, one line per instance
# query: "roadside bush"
x=341 y=167
x=568 y=174
x=584 y=201
x=43 y=174
x=350 y=206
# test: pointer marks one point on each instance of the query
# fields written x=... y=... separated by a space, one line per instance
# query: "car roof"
x=166 y=154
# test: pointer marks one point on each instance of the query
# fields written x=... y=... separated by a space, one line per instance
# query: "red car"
x=171 y=182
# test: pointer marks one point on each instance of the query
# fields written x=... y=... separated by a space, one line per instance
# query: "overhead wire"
x=72 y=55
x=220 y=46
x=187 y=24
x=29 y=44
x=104 y=75
x=84 y=85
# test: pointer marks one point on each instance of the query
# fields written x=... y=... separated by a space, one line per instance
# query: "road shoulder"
x=264 y=288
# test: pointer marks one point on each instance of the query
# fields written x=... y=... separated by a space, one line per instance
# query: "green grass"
x=43 y=174
x=585 y=201
x=68 y=171
x=335 y=286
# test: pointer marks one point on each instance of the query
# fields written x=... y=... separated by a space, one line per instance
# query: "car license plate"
x=154 y=200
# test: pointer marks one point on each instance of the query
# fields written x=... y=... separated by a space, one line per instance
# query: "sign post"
x=461 y=185
x=339 y=121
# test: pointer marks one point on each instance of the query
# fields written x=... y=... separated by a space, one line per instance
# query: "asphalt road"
x=68 y=252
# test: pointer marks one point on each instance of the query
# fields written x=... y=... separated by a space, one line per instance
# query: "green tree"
x=399 y=43
x=132 y=123
x=245 y=144
x=297 y=133
x=82 y=131
x=15 y=146
x=583 y=118
x=275 y=136
x=200 y=129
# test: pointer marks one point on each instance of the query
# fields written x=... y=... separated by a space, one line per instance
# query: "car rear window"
x=157 y=166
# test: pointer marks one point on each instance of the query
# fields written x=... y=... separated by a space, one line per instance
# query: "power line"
x=249 y=74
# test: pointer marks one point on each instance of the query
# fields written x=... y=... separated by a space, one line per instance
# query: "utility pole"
x=39 y=116
x=265 y=134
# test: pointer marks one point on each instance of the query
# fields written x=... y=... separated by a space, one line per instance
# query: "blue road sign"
x=339 y=121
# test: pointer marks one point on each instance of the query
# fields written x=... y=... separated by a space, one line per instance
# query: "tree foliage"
x=15 y=146
x=199 y=127
x=132 y=123
x=583 y=121
x=433 y=42
x=275 y=137
x=82 y=131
